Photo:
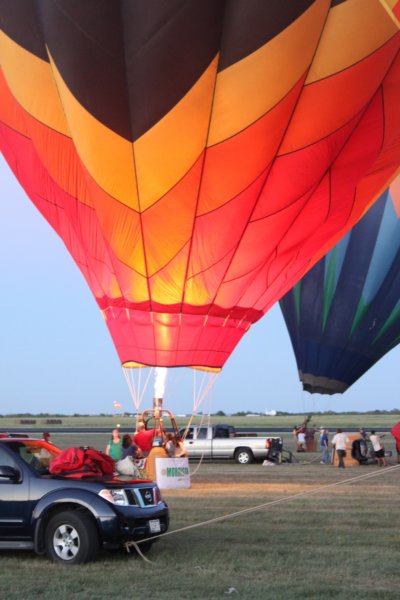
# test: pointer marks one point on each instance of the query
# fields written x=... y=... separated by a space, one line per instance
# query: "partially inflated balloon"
x=344 y=315
x=195 y=157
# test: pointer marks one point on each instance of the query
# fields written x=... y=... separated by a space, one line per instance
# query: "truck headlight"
x=157 y=495
x=115 y=496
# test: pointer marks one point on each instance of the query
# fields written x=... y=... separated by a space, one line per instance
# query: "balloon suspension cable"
x=135 y=388
x=309 y=402
x=206 y=385
x=304 y=400
x=208 y=424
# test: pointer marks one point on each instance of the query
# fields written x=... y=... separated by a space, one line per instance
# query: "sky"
x=57 y=356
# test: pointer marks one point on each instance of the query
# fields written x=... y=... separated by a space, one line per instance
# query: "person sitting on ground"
x=379 y=450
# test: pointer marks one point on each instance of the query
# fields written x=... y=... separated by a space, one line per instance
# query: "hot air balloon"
x=196 y=157
x=344 y=314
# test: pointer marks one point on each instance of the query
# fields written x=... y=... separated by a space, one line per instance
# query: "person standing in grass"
x=324 y=443
x=114 y=446
x=339 y=442
x=301 y=440
x=379 y=450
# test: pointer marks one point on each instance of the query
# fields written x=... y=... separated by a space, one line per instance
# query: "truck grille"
x=131 y=497
x=147 y=495
x=141 y=496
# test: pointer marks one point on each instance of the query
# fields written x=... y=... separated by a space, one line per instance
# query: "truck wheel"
x=244 y=456
x=71 y=538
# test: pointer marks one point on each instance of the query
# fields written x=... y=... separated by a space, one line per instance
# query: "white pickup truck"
x=222 y=442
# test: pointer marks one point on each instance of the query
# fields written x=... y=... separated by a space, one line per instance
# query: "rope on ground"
x=138 y=550
x=270 y=503
x=307 y=462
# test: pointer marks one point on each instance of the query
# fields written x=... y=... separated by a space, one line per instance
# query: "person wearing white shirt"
x=301 y=438
x=379 y=450
x=339 y=442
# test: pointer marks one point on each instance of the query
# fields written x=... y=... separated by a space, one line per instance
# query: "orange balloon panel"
x=197 y=158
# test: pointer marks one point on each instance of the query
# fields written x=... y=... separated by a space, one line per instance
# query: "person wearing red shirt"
x=144 y=438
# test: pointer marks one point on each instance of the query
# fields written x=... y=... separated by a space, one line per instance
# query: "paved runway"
x=37 y=430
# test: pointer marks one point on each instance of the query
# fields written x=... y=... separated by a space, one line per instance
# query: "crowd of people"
x=341 y=444
x=130 y=452
x=304 y=440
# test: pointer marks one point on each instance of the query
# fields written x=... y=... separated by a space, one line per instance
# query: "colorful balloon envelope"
x=196 y=157
x=344 y=314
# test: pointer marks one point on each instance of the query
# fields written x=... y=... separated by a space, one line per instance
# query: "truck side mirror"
x=8 y=474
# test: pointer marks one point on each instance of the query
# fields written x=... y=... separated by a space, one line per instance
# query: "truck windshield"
x=35 y=453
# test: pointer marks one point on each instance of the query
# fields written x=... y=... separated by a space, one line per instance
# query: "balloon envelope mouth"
x=131 y=364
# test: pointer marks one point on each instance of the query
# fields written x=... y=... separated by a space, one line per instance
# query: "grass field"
x=341 y=542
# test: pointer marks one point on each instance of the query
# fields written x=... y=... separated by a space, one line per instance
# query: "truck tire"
x=244 y=456
x=71 y=538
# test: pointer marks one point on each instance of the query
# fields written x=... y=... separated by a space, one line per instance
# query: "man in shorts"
x=379 y=450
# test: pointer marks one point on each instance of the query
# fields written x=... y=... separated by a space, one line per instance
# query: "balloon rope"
x=192 y=473
x=145 y=385
x=193 y=409
x=143 y=392
x=210 y=378
x=136 y=390
x=130 y=381
x=194 y=389
x=138 y=400
x=197 y=394
x=197 y=400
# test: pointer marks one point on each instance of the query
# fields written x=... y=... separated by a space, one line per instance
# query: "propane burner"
x=157 y=403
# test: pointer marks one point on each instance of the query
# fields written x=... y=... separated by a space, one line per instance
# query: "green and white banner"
x=173 y=473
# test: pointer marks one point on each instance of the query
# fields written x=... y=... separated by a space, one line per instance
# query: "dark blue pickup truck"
x=70 y=519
